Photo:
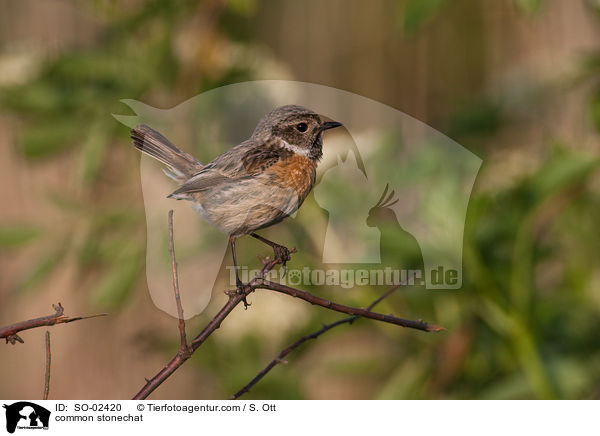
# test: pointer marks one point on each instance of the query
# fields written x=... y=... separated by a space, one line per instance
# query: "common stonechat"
x=253 y=185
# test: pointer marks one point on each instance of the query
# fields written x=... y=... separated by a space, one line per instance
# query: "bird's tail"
x=181 y=166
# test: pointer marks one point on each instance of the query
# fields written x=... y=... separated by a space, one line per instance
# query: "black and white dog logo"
x=26 y=415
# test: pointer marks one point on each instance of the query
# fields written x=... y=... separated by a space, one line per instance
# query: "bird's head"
x=296 y=128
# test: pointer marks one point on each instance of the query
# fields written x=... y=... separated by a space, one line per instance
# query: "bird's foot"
x=283 y=254
x=239 y=290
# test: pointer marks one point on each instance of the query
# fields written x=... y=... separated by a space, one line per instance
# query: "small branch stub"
x=48 y=362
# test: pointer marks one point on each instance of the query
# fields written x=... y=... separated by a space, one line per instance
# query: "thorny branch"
x=235 y=298
x=10 y=332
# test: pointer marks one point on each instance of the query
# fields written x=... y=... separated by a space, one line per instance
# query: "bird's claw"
x=246 y=304
x=240 y=290
x=282 y=254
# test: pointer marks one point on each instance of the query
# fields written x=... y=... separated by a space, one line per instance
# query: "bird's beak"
x=330 y=125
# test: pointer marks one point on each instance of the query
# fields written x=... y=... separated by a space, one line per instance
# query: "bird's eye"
x=301 y=127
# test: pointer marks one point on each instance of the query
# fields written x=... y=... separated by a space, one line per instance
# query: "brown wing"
x=200 y=182
x=242 y=161
x=257 y=160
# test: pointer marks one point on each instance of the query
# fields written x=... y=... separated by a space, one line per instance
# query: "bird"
x=254 y=184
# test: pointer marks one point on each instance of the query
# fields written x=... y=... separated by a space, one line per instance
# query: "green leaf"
x=116 y=285
x=15 y=235
x=476 y=117
x=92 y=153
x=244 y=7
x=594 y=110
x=417 y=12
x=514 y=386
x=37 y=97
x=89 y=251
x=41 y=269
x=595 y=5
x=529 y=6
x=65 y=202
x=44 y=139
x=563 y=169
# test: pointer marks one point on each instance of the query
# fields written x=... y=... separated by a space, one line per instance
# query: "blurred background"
x=514 y=81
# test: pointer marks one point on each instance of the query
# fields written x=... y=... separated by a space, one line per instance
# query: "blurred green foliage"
x=17 y=234
x=530 y=6
x=525 y=324
x=66 y=108
x=415 y=13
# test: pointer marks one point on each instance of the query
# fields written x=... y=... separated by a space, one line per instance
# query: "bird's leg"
x=238 y=283
x=279 y=251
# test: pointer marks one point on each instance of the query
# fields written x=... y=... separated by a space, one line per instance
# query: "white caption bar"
x=297 y=417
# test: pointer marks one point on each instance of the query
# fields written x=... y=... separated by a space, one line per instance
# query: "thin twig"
x=314 y=335
x=365 y=313
x=48 y=361
x=280 y=357
x=10 y=332
x=183 y=347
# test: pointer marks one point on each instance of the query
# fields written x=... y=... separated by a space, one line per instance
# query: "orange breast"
x=297 y=172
